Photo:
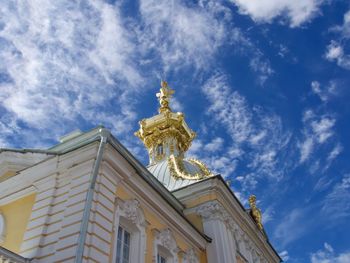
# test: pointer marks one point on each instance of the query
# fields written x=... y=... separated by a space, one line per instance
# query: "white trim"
x=129 y=215
x=2 y=228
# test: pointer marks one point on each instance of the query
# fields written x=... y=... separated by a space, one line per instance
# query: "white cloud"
x=268 y=215
x=323 y=183
x=335 y=50
x=248 y=181
x=336 y=205
x=65 y=62
x=284 y=255
x=228 y=107
x=335 y=152
x=296 y=12
x=327 y=255
x=317 y=131
x=186 y=35
x=306 y=148
x=181 y=35
x=322 y=128
x=344 y=29
x=293 y=226
x=176 y=105
x=336 y=53
x=258 y=63
x=257 y=136
x=215 y=145
x=263 y=67
x=325 y=92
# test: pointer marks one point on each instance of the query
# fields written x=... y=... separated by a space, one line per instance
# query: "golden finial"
x=164 y=96
x=255 y=212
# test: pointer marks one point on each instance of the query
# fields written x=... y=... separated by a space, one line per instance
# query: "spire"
x=164 y=97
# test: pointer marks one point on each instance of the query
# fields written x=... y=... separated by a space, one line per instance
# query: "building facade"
x=88 y=199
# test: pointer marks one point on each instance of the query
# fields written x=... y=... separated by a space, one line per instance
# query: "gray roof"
x=161 y=171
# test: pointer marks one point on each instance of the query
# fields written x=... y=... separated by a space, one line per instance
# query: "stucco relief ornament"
x=190 y=256
x=212 y=211
x=255 y=212
x=167 y=240
x=131 y=210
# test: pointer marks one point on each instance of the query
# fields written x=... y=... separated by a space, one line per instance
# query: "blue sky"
x=265 y=84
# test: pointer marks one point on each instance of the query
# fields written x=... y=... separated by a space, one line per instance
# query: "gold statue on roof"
x=164 y=97
x=255 y=211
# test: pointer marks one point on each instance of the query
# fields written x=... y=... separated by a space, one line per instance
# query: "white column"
x=221 y=248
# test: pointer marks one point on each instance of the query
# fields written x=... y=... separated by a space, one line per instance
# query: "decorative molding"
x=131 y=210
x=212 y=210
x=165 y=239
x=178 y=171
x=190 y=256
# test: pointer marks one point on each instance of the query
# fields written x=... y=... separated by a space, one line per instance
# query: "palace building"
x=88 y=199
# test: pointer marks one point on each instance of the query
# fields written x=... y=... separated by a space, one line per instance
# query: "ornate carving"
x=178 y=171
x=190 y=256
x=255 y=212
x=166 y=239
x=164 y=95
x=131 y=210
x=212 y=210
x=166 y=125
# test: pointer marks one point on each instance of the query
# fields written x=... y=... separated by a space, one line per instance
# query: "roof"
x=102 y=134
x=176 y=173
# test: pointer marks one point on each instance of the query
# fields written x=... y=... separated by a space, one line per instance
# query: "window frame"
x=161 y=257
x=3 y=227
x=160 y=149
x=129 y=216
x=122 y=248
x=165 y=245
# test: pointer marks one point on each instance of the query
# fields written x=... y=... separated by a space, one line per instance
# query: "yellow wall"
x=16 y=215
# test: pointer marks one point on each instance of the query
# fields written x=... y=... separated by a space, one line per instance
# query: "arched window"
x=160 y=149
x=130 y=232
x=165 y=247
x=2 y=228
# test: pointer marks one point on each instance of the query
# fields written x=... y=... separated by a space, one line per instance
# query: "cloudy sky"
x=265 y=84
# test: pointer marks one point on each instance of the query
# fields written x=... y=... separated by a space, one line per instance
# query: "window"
x=2 y=228
x=129 y=232
x=159 y=149
x=161 y=259
x=123 y=245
